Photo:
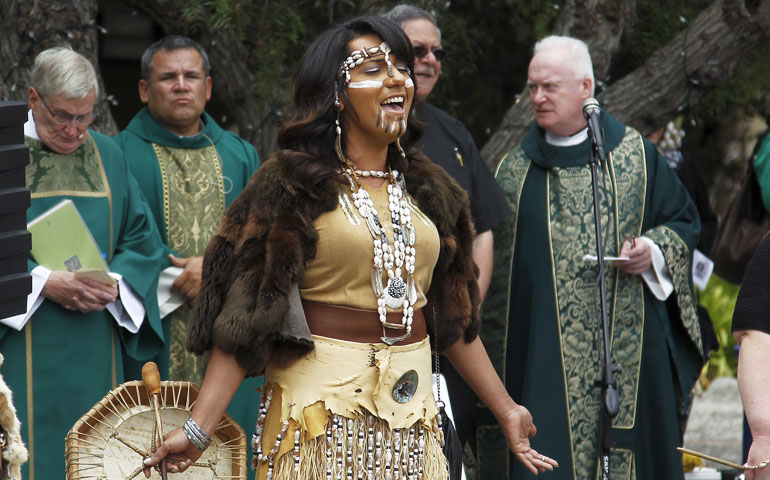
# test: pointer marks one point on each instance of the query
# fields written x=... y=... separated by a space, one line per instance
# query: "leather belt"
x=355 y=325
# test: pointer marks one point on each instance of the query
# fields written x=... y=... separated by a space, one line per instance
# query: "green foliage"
x=719 y=299
x=489 y=44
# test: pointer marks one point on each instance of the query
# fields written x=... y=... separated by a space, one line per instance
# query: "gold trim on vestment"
x=189 y=174
x=112 y=351
x=571 y=232
x=68 y=193
x=108 y=191
x=512 y=184
x=193 y=204
x=557 y=310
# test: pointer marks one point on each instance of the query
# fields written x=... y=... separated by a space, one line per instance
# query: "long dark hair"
x=307 y=138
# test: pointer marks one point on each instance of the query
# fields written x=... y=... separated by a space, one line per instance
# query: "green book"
x=61 y=240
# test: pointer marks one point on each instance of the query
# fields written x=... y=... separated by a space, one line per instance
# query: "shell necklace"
x=396 y=260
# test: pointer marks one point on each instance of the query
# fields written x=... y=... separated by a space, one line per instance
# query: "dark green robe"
x=62 y=362
x=188 y=182
x=539 y=321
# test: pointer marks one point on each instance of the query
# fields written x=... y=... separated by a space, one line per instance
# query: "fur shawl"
x=249 y=304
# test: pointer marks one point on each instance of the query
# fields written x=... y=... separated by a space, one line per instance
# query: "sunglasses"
x=421 y=52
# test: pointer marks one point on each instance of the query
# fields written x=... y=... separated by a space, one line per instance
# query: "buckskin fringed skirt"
x=350 y=410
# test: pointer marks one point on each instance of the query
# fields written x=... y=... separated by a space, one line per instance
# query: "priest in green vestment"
x=540 y=321
x=67 y=351
x=189 y=170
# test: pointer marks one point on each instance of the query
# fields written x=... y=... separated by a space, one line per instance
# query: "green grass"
x=719 y=299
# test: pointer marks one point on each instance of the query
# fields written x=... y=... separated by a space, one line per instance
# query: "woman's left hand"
x=518 y=429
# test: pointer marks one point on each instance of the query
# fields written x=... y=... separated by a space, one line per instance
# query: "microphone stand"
x=610 y=404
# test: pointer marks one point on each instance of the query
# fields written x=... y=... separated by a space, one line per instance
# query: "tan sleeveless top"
x=340 y=273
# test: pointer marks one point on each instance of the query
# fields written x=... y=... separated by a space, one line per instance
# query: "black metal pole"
x=609 y=392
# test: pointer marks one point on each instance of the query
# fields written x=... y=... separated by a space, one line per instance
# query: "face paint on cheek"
x=366 y=84
x=409 y=83
x=390 y=123
x=400 y=124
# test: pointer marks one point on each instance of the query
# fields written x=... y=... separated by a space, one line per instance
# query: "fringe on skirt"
x=339 y=413
x=363 y=448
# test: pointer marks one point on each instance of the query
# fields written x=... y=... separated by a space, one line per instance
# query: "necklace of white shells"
x=396 y=260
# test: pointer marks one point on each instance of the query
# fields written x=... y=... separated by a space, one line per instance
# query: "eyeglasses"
x=66 y=118
x=421 y=52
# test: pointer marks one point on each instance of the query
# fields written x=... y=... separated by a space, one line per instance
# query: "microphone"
x=592 y=112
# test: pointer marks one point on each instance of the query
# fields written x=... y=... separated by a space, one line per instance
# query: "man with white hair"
x=66 y=352
x=541 y=322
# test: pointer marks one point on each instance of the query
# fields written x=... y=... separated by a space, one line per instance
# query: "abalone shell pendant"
x=395 y=292
x=406 y=387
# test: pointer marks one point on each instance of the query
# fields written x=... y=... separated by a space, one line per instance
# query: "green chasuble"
x=188 y=182
x=62 y=362
x=540 y=324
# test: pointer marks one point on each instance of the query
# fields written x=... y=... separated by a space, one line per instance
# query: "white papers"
x=657 y=277
x=169 y=301
x=607 y=258
x=128 y=309
x=702 y=268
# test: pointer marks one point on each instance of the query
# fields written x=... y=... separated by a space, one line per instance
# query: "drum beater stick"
x=151 y=379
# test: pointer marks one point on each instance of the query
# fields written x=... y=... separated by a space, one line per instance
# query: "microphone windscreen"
x=590 y=107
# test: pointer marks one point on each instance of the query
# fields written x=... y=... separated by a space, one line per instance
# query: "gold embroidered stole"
x=193 y=204
x=572 y=235
x=77 y=174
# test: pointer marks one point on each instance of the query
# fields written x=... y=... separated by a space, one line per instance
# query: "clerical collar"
x=559 y=141
x=29 y=126
x=202 y=126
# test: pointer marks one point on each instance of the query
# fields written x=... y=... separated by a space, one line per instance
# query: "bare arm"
x=472 y=362
x=483 y=255
x=223 y=377
x=754 y=385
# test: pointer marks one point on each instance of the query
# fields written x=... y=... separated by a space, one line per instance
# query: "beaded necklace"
x=396 y=260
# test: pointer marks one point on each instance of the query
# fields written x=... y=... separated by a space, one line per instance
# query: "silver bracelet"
x=196 y=435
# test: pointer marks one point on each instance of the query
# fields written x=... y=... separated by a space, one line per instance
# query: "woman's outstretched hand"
x=176 y=451
x=518 y=429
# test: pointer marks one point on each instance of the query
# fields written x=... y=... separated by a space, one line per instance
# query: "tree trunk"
x=31 y=27
x=646 y=98
x=603 y=25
